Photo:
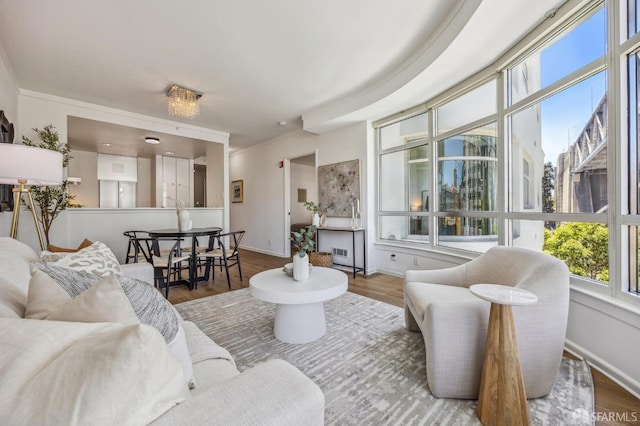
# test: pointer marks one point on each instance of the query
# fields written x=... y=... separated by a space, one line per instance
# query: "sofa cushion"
x=97 y=259
x=212 y=364
x=12 y=300
x=149 y=305
x=14 y=262
x=65 y=294
x=105 y=301
x=85 y=373
x=420 y=295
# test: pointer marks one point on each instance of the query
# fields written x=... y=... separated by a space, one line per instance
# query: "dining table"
x=192 y=233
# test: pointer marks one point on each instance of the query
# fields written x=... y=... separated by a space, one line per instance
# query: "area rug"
x=370 y=368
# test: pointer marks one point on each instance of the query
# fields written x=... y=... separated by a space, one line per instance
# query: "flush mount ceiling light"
x=183 y=102
x=152 y=141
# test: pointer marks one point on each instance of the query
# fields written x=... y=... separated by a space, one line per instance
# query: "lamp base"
x=17 y=194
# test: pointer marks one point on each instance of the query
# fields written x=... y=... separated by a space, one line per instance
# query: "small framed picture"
x=237 y=191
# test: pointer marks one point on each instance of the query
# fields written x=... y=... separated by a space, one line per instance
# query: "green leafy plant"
x=303 y=240
x=50 y=200
x=311 y=206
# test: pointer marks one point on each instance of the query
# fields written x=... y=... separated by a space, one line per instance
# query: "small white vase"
x=323 y=220
x=183 y=220
x=300 y=267
x=315 y=221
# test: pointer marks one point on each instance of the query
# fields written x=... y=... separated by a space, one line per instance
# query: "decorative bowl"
x=288 y=268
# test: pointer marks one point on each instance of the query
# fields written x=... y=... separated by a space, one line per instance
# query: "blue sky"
x=565 y=114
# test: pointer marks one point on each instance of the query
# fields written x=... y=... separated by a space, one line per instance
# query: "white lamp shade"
x=37 y=166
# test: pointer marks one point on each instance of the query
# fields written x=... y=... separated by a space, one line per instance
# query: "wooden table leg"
x=502 y=399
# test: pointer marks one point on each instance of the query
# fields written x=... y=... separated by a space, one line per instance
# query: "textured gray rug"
x=371 y=370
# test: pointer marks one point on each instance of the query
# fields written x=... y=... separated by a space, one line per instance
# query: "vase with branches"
x=313 y=207
x=50 y=200
x=304 y=242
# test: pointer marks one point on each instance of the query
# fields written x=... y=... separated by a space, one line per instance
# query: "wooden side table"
x=502 y=399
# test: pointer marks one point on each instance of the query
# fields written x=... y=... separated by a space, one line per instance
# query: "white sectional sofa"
x=271 y=393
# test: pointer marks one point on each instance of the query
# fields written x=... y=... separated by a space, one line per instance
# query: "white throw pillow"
x=44 y=296
x=105 y=301
x=97 y=259
x=121 y=299
x=70 y=373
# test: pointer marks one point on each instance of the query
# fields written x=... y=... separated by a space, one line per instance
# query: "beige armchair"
x=454 y=322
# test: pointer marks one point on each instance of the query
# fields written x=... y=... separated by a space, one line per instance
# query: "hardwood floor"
x=613 y=404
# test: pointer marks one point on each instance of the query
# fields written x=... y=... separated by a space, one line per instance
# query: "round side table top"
x=503 y=294
x=277 y=287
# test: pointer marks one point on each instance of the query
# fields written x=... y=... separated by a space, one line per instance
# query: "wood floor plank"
x=614 y=405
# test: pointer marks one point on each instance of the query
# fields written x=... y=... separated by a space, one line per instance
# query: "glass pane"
x=467 y=171
x=404 y=183
x=584 y=247
x=419 y=178
x=582 y=45
x=407 y=228
x=634 y=155
x=563 y=140
x=402 y=132
x=632 y=15
x=472 y=106
x=393 y=177
x=528 y=234
x=468 y=233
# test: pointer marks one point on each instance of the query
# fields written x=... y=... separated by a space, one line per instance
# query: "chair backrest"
x=234 y=238
x=140 y=242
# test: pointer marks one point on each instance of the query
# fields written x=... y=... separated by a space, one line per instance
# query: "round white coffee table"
x=299 y=304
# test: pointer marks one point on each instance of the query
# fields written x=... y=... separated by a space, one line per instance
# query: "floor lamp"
x=26 y=166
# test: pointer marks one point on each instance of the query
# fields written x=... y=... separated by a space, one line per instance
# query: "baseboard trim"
x=605 y=368
x=270 y=253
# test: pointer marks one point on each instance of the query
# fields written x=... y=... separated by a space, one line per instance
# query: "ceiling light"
x=106 y=144
x=282 y=123
x=152 y=141
x=183 y=102
x=169 y=152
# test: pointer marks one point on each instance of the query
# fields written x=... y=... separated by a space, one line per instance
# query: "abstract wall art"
x=338 y=187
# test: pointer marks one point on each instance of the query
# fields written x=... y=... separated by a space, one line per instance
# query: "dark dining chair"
x=168 y=264
x=139 y=243
x=218 y=253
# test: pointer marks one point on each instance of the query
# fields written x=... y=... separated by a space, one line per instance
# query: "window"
x=551 y=143
x=404 y=183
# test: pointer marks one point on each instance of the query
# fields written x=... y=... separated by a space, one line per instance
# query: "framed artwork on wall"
x=339 y=188
x=237 y=191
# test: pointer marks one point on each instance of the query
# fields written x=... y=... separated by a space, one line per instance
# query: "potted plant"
x=313 y=207
x=51 y=200
x=303 y=241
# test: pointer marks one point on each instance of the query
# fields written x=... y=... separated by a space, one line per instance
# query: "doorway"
x=199 y=185
x=301 y=185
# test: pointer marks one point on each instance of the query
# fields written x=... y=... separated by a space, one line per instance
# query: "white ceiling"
x=259 y=62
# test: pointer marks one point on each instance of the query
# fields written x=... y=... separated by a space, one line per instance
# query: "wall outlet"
x=269 y=243
x=416 y=261
x=393 y=257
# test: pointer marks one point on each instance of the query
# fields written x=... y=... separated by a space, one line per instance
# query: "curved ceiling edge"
x=316 y=120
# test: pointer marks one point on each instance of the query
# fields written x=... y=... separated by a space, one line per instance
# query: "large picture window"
x=550 y=170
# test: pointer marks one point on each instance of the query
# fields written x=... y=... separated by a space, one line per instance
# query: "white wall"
x=262 y=213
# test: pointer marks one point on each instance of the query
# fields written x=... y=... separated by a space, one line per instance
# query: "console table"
x=353 y=231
